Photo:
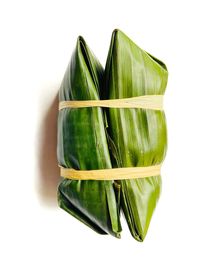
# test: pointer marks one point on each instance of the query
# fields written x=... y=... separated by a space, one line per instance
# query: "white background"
x=37 y=39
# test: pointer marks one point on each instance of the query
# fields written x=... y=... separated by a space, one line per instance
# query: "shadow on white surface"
x=47 y=159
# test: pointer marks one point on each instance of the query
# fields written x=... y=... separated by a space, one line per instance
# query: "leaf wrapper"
x=137 y=137
x=82 y=145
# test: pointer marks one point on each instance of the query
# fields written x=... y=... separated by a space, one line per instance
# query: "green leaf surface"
x=137 y=137
x=82 y=145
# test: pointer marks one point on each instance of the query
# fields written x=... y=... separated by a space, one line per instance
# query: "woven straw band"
x=110 y=174
x=154 y=102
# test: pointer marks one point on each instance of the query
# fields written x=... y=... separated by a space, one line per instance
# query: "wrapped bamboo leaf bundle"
x=137 y=136
x=82 y=145
x=112 y=137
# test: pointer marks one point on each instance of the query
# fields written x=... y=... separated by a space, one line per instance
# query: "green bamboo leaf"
x=138 y=137
x=82 y=145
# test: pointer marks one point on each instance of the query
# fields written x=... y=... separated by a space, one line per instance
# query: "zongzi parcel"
x=112 y=137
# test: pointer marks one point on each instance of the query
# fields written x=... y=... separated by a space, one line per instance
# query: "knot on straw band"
x=110 y=174
x=154 y=102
